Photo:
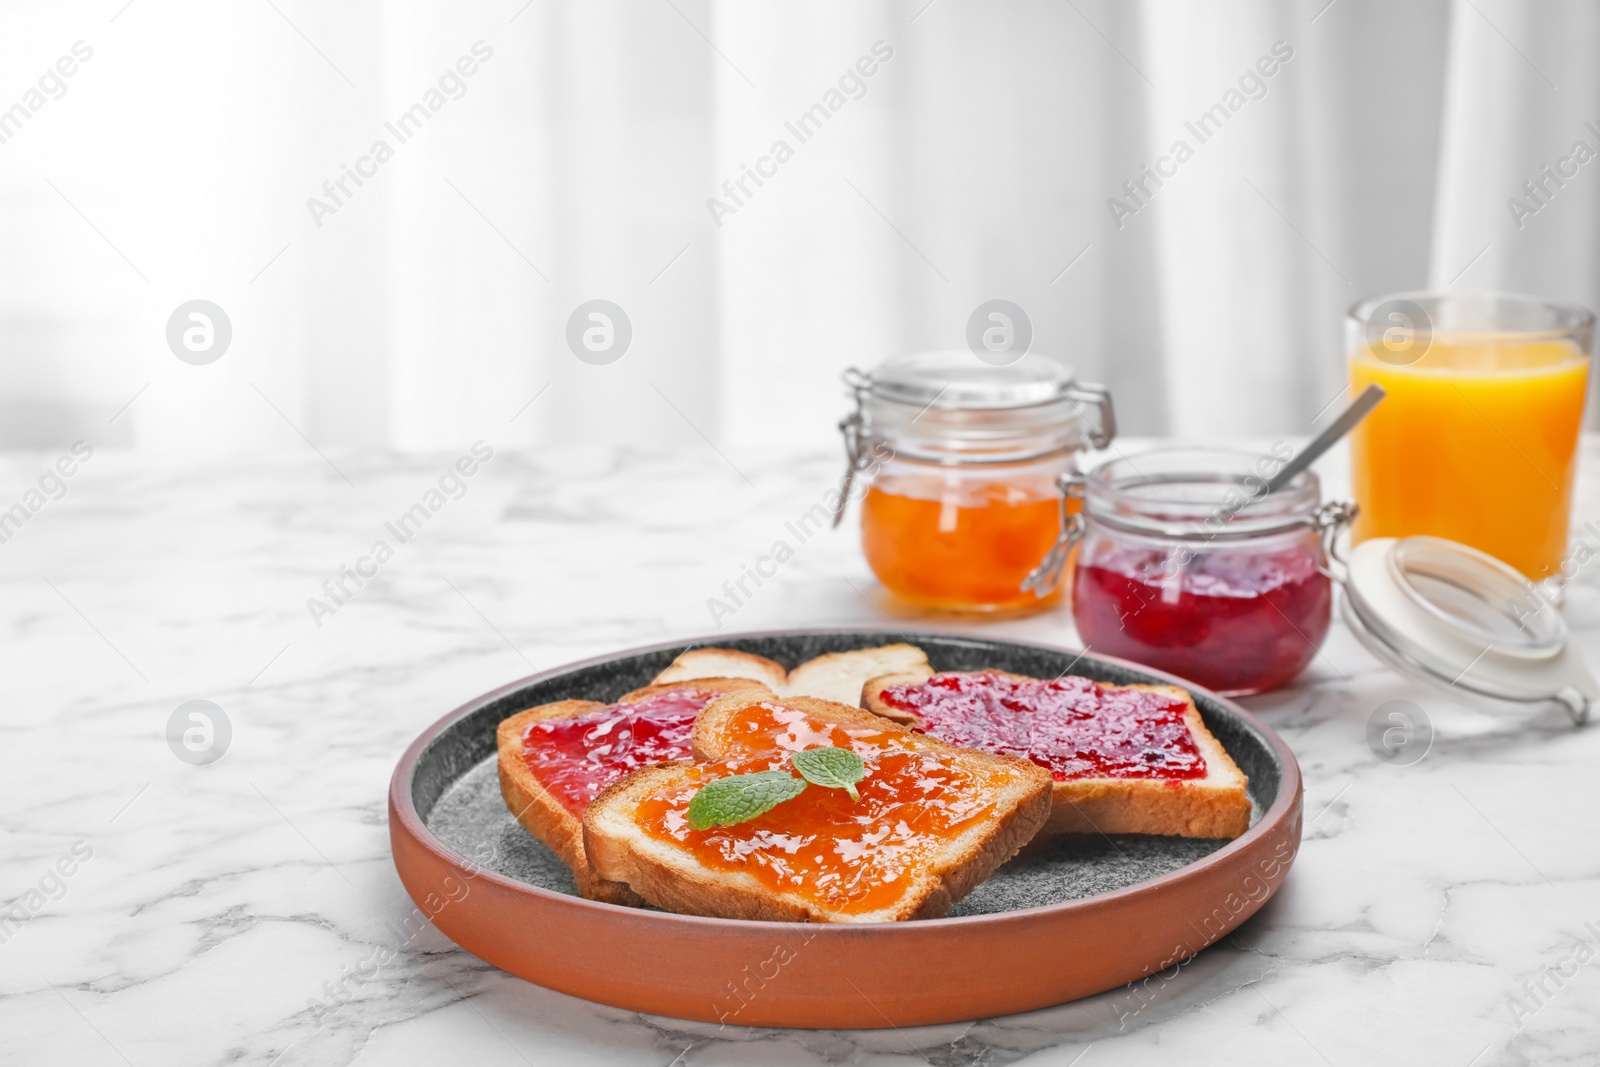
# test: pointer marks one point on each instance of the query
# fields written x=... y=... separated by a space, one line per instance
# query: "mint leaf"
x=836 y=768
x=728 y=801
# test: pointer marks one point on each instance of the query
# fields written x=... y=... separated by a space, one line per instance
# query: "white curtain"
x=962 y=152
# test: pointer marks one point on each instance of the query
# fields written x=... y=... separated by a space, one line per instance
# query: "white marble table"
x=216 y=901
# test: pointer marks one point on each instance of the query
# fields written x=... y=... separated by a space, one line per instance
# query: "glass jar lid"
x=957 y=380
x=953 y=408
x=1449 y=614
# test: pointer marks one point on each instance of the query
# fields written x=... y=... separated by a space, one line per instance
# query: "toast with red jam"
x=556 y=758
x=1134 y=759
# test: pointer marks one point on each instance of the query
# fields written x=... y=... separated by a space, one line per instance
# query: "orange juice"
x=1476 y=442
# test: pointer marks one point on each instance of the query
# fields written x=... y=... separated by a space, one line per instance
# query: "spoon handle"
x=1328 y=438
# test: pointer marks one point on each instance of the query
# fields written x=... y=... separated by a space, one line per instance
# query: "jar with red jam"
x=956 y=462
x=1186 y=564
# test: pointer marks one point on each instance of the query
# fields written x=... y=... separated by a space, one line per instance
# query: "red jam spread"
x=1238 y=622
x=851 y=856
x=576 y=758
x=1072 y=727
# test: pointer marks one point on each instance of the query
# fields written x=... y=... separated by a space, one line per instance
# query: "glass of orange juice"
x=1477 y=440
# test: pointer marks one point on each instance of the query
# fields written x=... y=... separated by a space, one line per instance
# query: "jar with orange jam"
x=961 y=458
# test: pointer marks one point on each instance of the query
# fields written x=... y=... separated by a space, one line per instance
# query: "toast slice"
x=555 y=758
x=836 y=676
x=1134 y=759
x=841 y=676
x=725 y=663
x=931 y=823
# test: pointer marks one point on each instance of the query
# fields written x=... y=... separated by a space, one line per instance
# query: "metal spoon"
x=1325 y=440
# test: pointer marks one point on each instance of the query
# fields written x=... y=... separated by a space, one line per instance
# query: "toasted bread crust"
x=841 y=676
x=1216 y=806
x=667 y=877
x=543 y=815
x=837 y=676
x=698 y=664
x=713 y=685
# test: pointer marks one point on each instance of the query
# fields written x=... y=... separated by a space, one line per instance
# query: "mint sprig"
x=742 y=797
x=728 y=801
x=835 y=768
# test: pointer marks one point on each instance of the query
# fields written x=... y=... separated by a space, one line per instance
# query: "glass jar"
x=960 y=460
x=1184 y=564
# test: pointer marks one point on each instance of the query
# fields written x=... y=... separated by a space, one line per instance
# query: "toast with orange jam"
x=1133 y=759
x=556 y=758
x=928 y=821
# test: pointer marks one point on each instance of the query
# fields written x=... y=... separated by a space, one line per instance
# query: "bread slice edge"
x=701 y=663
x=836 y=676
x=841 y=676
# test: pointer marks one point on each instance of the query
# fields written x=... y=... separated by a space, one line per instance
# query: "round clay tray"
x=1065 y=920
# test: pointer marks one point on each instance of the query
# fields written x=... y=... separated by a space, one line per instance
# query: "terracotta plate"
x=1076 y=918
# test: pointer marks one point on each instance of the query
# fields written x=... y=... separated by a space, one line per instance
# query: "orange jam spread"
x=963 y=550
x=850 y=856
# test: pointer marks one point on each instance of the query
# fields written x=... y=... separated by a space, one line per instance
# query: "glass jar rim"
x=1567 y=320
x=1197 y=493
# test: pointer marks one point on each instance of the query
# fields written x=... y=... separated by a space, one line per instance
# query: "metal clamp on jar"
x=955 y=462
